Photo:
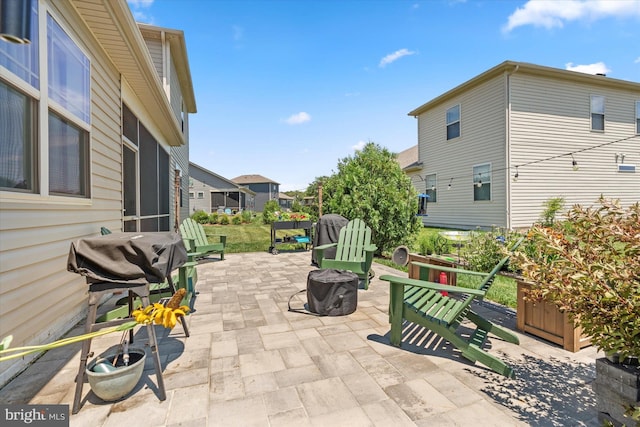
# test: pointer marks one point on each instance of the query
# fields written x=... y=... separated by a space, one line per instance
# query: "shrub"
x=224 y=219
x=588 y=266
x=485 y=249
x=269 y=212
x=213 y=218
x=200 y=217
x=246 y=216
x=236 y=220
x=551 y=208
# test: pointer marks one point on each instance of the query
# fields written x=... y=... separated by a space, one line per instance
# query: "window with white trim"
x=482 y=182
x=453 y=122
x=431 y=184
x=65 y=98
x=638 y=117
x=597 y=112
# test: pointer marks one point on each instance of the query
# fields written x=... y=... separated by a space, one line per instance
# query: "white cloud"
x=637 y=61
x=359 y=146
x=137 y=9
x=395 y=56
x=296 y=119
x=550 y=14
x=597 y=68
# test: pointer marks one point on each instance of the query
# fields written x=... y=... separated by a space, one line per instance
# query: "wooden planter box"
x=431 y=275
x=545 y=320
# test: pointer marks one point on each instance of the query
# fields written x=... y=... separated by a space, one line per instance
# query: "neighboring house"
x=265 y=188
x=410 y=164
x=93 y=127
x=496 y=147
x=211 y=192
x=285 y=201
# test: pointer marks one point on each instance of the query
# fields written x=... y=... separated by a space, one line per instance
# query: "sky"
x=288 y=88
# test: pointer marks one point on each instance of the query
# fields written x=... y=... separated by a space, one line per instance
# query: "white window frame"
x=597 y=112
x=431 y=187
x=192 y=195
x=483 y=177
x=200 y=195
x=44 y=106
x=638 y=117
x=457 y=121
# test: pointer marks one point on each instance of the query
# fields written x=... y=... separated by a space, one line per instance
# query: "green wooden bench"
x=354 y=251
x=196 y=240
x=434 y=306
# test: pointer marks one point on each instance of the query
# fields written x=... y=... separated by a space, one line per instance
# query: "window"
x=200 y=195
x=191 y=195
x=638 y=117
x=453 y=122
x=597 y=112
x=66 y=104
x=482 y=182
x=431 y=183
x=146 y=180
x=17 y=140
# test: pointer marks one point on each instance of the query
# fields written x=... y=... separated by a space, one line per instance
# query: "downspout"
x=508 y=142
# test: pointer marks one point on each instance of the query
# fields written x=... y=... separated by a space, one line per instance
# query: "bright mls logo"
x=34 y=415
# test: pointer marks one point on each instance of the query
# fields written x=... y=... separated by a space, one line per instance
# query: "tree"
x=371 y=186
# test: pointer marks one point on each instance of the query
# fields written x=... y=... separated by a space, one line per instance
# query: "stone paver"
x=251 y=362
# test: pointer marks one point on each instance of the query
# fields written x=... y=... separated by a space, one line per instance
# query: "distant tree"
x=371 y=186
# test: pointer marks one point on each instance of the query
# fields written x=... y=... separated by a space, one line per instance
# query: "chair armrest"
x=327 y=246
x=223 y=240
x=449 y=269
x=370 y=248
x=404 y=281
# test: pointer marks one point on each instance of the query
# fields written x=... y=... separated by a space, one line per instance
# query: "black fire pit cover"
x=332 y=292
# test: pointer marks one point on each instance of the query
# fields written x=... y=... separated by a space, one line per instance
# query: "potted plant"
x=589 y=266
x=113 y=374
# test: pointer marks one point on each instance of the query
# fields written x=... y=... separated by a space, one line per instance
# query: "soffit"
x=113 y=26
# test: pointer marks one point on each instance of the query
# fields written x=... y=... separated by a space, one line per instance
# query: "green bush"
x=224 y=219
x=551 y=208
x=269 y=212
x=246 y=216
x=213 y=218
x=485 y=249
x=237 y=219
x=200 y=217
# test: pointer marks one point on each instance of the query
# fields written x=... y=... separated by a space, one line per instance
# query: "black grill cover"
x=332 y=292
x=327 y=231
x=127 y=258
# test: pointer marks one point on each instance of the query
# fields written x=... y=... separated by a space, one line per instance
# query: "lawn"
x=256 y=237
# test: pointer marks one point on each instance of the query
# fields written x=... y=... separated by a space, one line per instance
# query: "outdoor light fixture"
x=479 y=183
x=574 y=164
x=449 y=186
x=620 y=156
x=15 y=21
x=515 y=177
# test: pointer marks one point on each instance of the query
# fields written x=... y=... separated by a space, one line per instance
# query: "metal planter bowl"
x=119 y=381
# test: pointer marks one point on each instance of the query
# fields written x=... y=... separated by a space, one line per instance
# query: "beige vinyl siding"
x=155 y=49
x=482 y=140
x=175 y=93
x=551 y=117
x=39 y=299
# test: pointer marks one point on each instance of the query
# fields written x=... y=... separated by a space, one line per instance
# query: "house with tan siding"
x=93 y=132
x=494 y=148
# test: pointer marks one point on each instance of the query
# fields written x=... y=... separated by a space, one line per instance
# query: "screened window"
x=453 y=122
x=129 y=125
x=638 y=117
x=482 y=182
x=129 y=168
x=597 y=112
x=200 y=195
x=431 y=183
x=68 y=158
x=17 y=140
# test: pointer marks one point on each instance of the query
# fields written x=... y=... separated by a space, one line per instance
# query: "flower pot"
x=111 y=383
x=543 y=319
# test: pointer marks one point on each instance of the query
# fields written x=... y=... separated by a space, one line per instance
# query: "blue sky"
x=285 y=89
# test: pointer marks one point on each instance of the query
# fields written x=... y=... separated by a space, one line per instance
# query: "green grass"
x=256 y=237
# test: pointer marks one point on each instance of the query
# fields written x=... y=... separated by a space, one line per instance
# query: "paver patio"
x=251 y=362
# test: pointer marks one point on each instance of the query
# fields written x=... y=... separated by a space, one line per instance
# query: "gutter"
x=508 y=142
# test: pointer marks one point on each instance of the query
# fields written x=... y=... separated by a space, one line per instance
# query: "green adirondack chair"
x=424 y=303
x=354 y=251
x=197 y=242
